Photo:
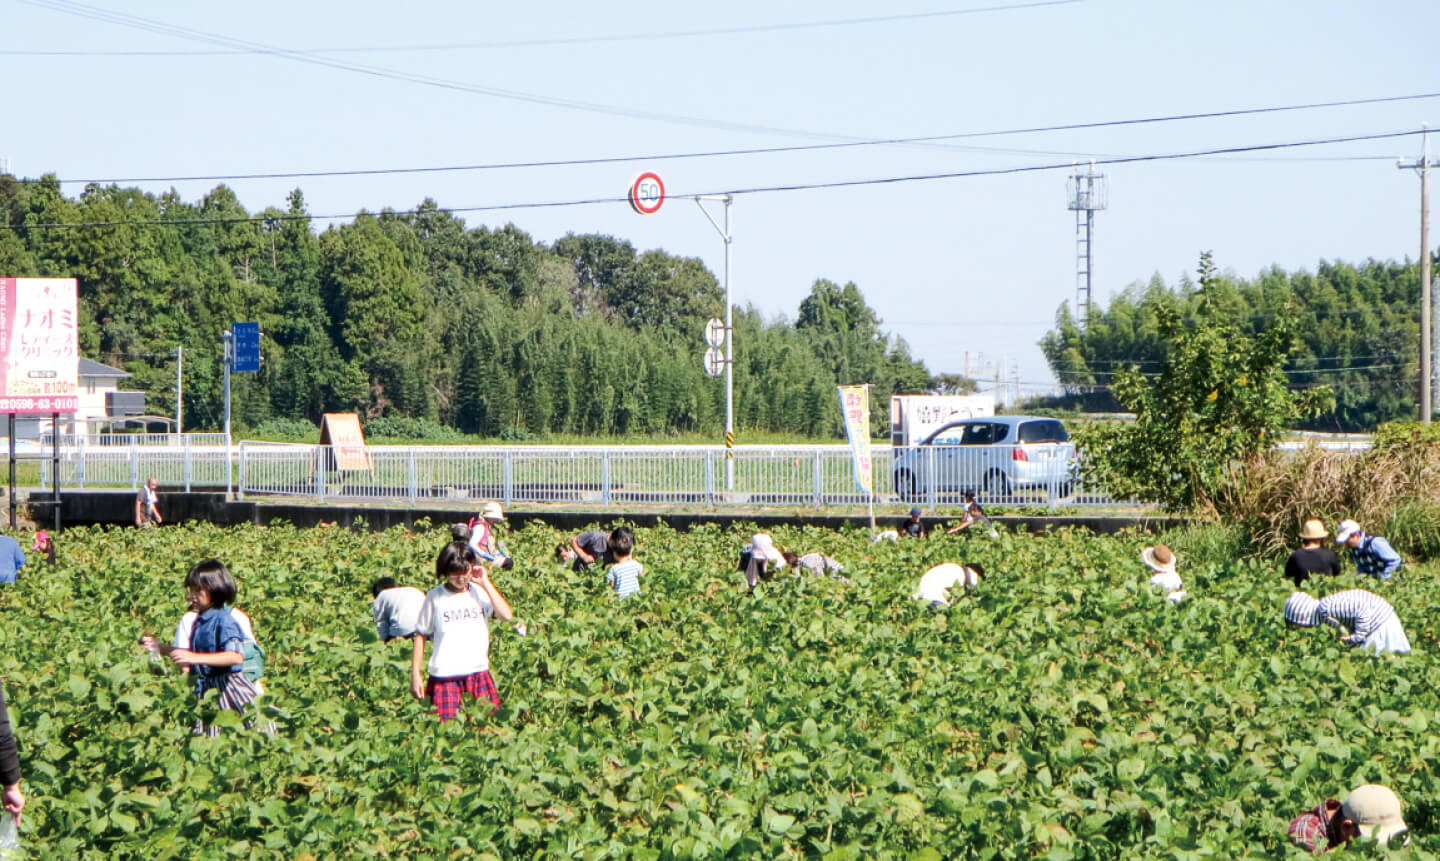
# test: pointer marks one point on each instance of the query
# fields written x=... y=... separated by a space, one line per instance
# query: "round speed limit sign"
x=647 y=193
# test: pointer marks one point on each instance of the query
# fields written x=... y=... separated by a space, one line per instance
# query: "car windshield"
x=1048 y=430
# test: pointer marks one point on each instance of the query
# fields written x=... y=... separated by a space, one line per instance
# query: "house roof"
x=95 y=369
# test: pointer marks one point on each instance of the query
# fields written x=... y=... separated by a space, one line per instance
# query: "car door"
x=945 y=447
x=974 y=455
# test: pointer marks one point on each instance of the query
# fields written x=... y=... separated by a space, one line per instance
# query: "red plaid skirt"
x=446 y=693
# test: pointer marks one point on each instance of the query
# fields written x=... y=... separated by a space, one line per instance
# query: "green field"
x=1063 y=711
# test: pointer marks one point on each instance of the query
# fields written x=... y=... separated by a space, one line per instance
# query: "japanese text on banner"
x=855 y=406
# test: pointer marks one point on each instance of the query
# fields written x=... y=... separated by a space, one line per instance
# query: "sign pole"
x=729 y=362
x=55 y=468
x=226 y=351
x=12 y=470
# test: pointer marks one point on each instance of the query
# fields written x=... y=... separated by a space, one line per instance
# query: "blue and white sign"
x=245 y=344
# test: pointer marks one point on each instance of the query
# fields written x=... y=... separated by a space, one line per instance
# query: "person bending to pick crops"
x=815 y=563
x=757 y=558
x=217 y=643
x=935 y=584
x=455 y=616
x=12 y=559
x=44 y=543
x=1312 y=557
x=1370 y=620
x=974 y=516
x=1161 y=560
x=585 y=550
x=1373 y=555
x=1371 y=810
x=396 y=609
x=482 y=537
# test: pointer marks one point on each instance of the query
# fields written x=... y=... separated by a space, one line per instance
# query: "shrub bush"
x=411 y=428
x=286 y=430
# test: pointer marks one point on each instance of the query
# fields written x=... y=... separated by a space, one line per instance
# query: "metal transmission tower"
x=1087 y=196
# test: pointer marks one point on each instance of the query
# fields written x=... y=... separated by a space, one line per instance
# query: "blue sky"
x=973 y=264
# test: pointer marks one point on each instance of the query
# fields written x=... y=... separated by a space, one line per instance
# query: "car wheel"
x=997 y=486
x=907 y=487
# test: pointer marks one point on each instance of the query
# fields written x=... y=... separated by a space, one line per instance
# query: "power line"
x=892 y=180
x=135 y=22
x=571 y=40
x=848 y=144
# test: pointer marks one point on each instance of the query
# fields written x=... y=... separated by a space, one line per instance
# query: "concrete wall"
x=92 y=507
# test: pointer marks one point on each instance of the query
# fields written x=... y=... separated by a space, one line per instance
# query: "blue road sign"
x=245 y=342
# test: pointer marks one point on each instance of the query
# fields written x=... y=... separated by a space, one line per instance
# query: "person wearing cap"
x=1370 y=620
x=1375 y=812
x=760 y=558
x=460 y=532
x=913 y=527
x=44 y=544
x=482 y=536
x=1313 y=557
x=935 y=584
x=1373 y=555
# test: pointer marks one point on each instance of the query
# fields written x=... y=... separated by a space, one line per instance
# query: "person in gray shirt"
x=396 y=609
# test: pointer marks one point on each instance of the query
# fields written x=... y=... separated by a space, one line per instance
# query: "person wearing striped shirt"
x=1373 y=555
x=1370 y=620
x=625 y=574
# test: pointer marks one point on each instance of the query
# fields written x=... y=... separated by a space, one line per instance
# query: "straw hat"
x=492 y=511
x=1313 y=530
x=1159 y=558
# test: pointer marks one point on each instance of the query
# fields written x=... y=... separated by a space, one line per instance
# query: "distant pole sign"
x=715 y=333
x=647 y=193
x=39 y=348
x=714 y=362
x=246 y=345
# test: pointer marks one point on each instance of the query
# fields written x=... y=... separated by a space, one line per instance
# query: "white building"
x=101 y=404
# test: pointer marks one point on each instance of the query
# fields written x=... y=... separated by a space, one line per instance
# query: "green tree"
x=1219 y=395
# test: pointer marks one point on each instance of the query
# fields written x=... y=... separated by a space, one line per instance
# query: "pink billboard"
x=39 y=349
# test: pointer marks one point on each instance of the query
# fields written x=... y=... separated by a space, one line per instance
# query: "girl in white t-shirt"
x=455 y=615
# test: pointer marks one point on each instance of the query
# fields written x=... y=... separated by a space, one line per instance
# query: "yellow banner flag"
x=855 y=407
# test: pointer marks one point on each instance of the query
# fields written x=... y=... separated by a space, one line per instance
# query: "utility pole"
x=179 y=390
x=1427 y=331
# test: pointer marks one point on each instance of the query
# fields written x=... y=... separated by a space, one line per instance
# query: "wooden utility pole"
x=1427 y=332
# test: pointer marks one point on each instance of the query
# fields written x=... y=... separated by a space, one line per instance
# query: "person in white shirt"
x=1161 y=560
x=935 y=584
x=455 y=616
x=1370 y=619
x=186 y=626
x=396 y=609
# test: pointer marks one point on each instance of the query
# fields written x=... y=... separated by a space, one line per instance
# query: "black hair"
x=508 y=564
x=790 y=558
x=969 y=496
x=622 y=541
x=212 y=576
x=974 y=566
x=459 y=532
x=455 y=557
x=381 y=585
x=561 y=549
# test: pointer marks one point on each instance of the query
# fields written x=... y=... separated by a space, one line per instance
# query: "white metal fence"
x=810 y=476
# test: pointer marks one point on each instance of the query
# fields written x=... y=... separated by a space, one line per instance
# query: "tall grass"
x=1393 y=487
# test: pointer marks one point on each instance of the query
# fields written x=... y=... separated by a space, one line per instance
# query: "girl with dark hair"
x=455 y=615
x=217 y=643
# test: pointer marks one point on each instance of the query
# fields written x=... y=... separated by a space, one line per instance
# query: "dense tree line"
x=1359 y=335
x=417 y=315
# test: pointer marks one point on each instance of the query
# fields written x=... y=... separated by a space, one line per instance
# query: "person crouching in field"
x=396 y=609
x=936 y=583
x=1161 y=561
x=455 y=616
x=625 y=574
x=1370 y=619
x=217 y=645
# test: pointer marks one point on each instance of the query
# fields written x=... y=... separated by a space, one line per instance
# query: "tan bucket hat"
x=1313 y=530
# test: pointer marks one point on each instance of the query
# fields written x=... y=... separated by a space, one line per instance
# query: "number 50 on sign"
x=647 y=193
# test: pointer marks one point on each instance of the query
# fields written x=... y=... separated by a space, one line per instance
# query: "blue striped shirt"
x=1376 y=557
x=1360 y=611
x=625 y=577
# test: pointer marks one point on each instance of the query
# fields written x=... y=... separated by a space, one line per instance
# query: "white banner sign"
x=39 y=347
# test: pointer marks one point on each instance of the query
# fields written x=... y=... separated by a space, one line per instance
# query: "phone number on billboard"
x=48 y=405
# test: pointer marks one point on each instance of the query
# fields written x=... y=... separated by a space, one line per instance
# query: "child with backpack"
x=219 y=654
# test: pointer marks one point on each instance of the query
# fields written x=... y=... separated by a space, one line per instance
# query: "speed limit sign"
x=647 y=193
